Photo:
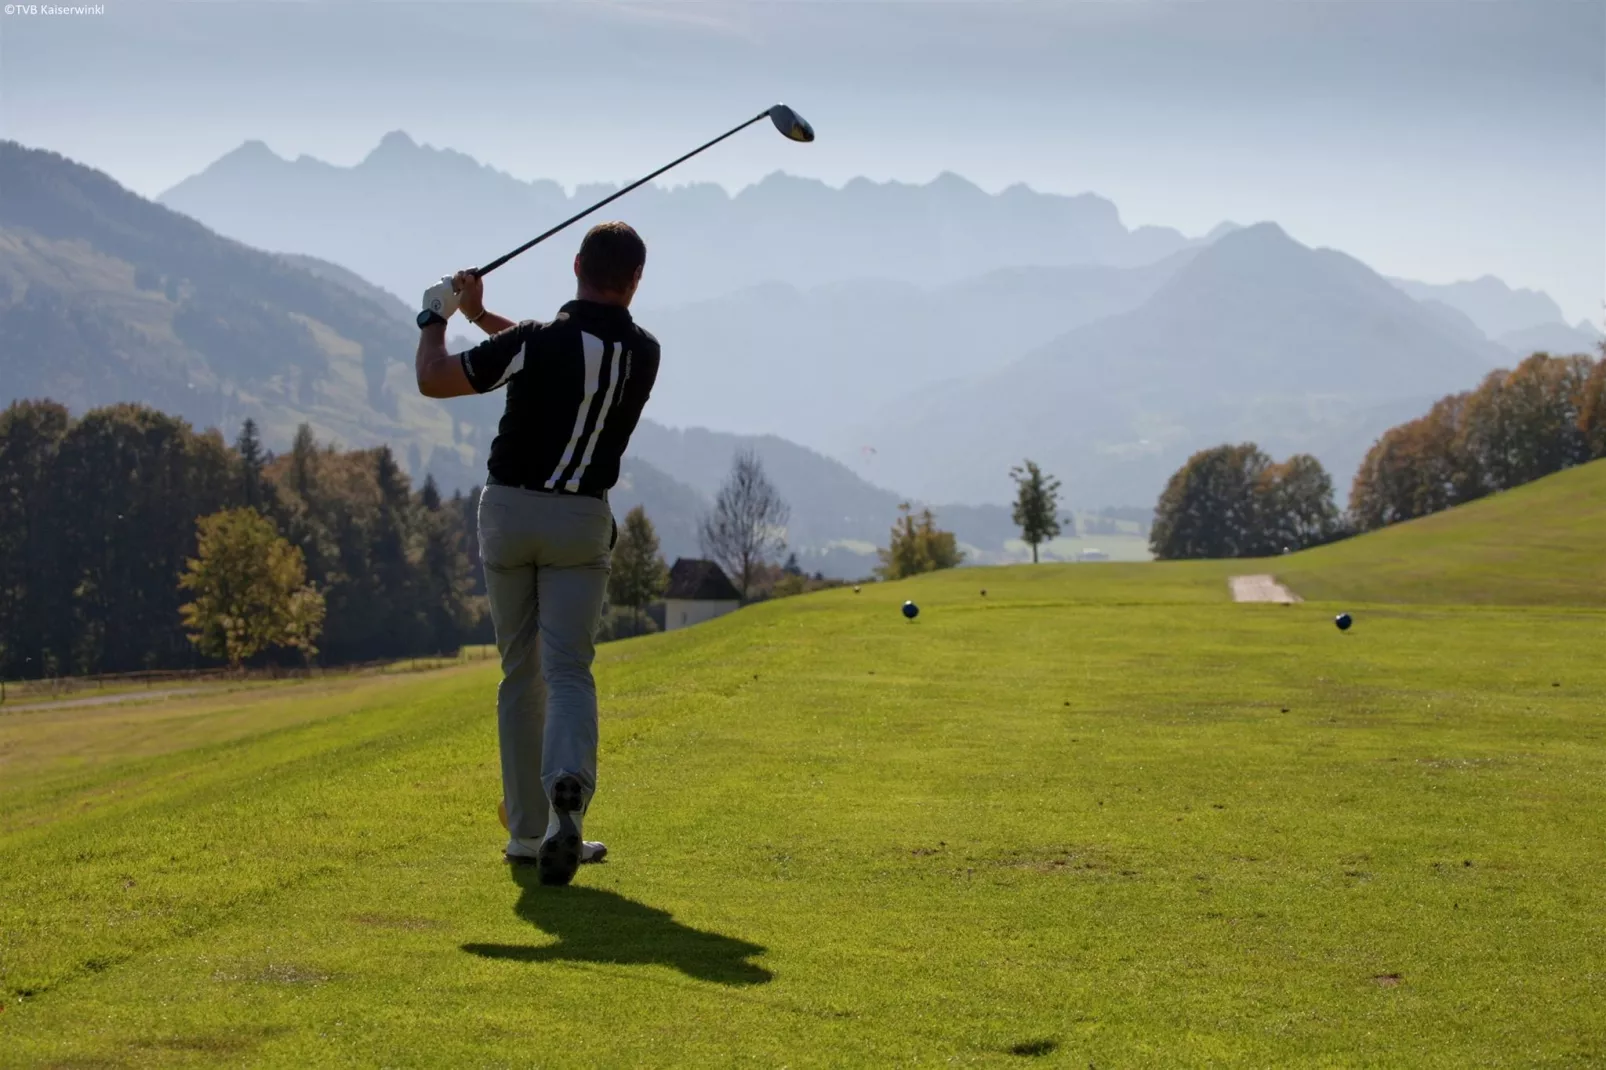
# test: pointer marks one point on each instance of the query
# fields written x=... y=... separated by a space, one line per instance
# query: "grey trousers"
x=546 y=560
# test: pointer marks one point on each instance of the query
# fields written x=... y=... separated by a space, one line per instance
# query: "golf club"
x=786 y=120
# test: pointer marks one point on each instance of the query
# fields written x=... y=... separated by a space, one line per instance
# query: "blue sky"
x=1435 y=139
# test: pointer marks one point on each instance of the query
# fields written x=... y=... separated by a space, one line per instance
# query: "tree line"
x=99 y=522
x=101 y=519
x=1547 y=414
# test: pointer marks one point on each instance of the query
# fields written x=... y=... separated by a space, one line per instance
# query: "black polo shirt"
x=575 y=389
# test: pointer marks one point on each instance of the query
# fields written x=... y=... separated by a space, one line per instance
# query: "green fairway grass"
x=1097 y=816
x=1540 y=544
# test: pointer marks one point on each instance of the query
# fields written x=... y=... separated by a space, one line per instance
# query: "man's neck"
x=600 y=297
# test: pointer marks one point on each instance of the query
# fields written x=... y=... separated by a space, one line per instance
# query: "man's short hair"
x=610 y=256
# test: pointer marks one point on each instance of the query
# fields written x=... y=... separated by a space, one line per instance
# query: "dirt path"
x=1260 y=588
x=99 y=700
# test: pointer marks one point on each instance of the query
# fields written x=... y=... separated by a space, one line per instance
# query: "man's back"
x=575 y=390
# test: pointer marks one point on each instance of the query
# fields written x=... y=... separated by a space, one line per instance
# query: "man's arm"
x=486 y=366
x=440 y=375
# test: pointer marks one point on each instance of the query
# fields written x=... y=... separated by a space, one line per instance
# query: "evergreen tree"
x=35 y=613
x=303 y=461
x=252 y=459
x=140 y=479
x=639 y=574
x=447 y=580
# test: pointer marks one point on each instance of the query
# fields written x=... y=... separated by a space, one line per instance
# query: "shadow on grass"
x=593 y=925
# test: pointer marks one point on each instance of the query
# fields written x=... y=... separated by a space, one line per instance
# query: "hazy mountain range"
x=814 y=364
x=966 y=331
x=388 y=219
x=842 y=319
x=1255 y=337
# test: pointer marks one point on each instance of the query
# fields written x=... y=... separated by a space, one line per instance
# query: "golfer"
x=575 y=389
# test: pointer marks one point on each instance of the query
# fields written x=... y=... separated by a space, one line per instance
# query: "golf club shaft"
x=505 y=257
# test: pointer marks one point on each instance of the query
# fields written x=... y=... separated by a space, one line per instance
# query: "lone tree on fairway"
x=1036 y=505
x=748 y=524
x=639 y=574
x=917 y=546
x=250 y=589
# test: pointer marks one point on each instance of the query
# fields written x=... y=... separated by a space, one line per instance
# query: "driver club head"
x=791 y=123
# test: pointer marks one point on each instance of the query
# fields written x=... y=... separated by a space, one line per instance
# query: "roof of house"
x=702 y=581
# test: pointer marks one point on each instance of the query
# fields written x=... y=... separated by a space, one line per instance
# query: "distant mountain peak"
x=782 y=184
x=1497 y=307
x=1265 y=232
x=1260 y=247
x=249 y=154
x=949 y=182
x=396 y=145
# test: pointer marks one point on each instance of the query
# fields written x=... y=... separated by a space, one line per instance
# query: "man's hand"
x=470 y=290
x=441 y=299
x=471 y=301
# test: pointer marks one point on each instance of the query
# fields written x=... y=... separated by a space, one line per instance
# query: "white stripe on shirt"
x=614 y=375
x=592 y=347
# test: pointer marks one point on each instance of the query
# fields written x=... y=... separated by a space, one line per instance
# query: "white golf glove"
x=441 y=299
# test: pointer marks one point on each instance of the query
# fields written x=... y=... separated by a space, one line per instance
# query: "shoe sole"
x=559 y=856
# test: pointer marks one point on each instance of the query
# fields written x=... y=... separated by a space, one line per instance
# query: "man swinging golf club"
x=575 y=390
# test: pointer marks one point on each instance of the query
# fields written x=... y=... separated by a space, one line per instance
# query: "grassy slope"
x=1098 y=812
x=1542 y=544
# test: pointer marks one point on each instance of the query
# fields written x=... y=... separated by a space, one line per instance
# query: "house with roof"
x=698 y=591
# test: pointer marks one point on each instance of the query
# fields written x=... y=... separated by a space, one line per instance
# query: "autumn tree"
x=639 y=574
x=1036 y=505
x=917 y=545
x=1294 y=506
x=1526 y=423
x=1517 y=426
x=1417 y=468
x=1592 y=409
x=747 y=526
x=250 y=590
